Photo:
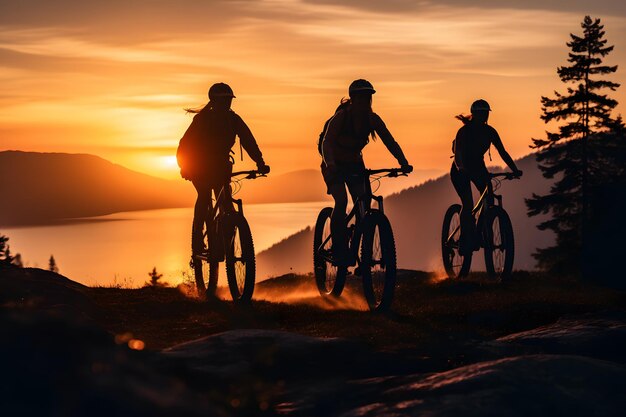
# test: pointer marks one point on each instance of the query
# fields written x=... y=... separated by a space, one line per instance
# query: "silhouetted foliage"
x=52 y=265
x=6 y=258
x=587 y=151
x=154 y=279
x=3 y=247
x=17 y=260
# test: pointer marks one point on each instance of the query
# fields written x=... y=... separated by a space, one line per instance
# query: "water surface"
x=121 y=248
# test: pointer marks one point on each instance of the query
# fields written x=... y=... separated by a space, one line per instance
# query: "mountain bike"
x=371 y=249
x=493 y=229
x=227 y=237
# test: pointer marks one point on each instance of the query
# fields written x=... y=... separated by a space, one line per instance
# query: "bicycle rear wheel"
x=455 y=264
x=206 y=273
x=240 y=261
x=329 y=278
x=378 y=261
x=499 y=244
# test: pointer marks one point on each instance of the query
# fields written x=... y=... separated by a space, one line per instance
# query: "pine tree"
x=52 y=265
x=583 y=153
x=5 y=251
x=154 y=278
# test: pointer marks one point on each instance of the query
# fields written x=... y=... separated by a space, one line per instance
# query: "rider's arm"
x=388 y=140
x=497 y=142
x=247 y=140
x=329 y=142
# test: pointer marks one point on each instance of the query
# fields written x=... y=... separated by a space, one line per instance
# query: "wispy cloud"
x=126 y=69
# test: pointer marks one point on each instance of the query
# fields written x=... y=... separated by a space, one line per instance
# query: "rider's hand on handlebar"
x=407 y=169
x=263 y=169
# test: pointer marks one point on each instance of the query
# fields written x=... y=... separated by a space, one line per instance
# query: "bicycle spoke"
x=378 y=269
x=330 y=270
x=497 y=246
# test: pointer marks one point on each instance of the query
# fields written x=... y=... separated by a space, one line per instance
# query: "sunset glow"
x=112 y=80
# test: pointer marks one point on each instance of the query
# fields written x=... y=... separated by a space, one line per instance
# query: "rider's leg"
x=461 y=183
x=227 y=198
x=359 y=187
x=338 y=223
x=480 y=178
x=200 y=212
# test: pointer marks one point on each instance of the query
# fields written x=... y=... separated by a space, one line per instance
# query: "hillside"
x=416 y=215
x=40 y=188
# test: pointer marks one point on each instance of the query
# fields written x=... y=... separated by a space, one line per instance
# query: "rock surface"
x=56 y=360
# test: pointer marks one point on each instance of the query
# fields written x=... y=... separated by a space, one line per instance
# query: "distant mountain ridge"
x=40 y=188
x=43 y=188
x=416 y=215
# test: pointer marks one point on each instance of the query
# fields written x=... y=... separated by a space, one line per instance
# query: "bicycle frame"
x=215 y=211
x=487 y=194
x=359 y=211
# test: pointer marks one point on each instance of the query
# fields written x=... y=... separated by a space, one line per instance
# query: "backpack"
x=195 y=149
x=320 y=140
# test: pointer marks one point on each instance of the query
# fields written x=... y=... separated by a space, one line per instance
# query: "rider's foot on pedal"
x=214 y=257
x=341 y=258
x=198 y=248
x=341 y=261
x=210 y=296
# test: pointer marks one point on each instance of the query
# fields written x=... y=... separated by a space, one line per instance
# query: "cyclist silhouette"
x=204 y=154
x=472 y=140
x=345 y=136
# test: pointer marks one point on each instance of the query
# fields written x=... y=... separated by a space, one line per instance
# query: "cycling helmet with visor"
x=220 y=90
x=480 y=105
x=361 y=86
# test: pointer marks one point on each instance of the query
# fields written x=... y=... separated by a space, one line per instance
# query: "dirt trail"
x=426 y=311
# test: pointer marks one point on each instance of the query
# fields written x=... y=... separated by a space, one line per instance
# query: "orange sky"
x=111 y=78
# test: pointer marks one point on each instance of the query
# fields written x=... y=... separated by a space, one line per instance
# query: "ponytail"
x=463 y=118
x=197 y=110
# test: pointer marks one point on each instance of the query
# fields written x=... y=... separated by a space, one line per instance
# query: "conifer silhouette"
x=585 y=152
x=52 y=265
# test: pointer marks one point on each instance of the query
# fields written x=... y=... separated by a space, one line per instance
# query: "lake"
x=122 y=248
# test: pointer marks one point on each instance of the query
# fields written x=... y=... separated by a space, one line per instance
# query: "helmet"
x=361 y=86
x=220 y=90
x=480 y=105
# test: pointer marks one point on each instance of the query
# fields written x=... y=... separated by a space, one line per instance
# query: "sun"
x=169 y=161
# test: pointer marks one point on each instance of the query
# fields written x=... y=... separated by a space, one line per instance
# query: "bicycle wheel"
x=455 y=264
x=499 y=244
x=378 y=261
x=329 y=278
x=240 y=262
x=206 y=273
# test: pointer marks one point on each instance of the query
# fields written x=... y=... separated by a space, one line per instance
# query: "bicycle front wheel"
x=330 y=279
x=240 y=261
x=455 y=264
x=378 y=261
x=499 y=244
x=206 y=275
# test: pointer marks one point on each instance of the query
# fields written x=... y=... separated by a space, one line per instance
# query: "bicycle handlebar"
x=505 y=175
x=249 y=174
x=391 y=172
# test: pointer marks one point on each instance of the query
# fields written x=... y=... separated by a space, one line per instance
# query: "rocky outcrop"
x=56 y=360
